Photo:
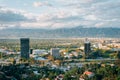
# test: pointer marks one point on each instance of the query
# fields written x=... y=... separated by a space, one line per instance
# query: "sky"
x=54 y=14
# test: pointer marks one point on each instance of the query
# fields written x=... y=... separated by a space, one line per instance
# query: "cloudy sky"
x=52 y=14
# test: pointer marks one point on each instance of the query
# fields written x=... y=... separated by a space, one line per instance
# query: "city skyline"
x=54 y=14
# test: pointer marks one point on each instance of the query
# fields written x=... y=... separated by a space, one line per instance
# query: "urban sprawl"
x=60 y=59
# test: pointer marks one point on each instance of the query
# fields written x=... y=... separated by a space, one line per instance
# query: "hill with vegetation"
x=77 y=32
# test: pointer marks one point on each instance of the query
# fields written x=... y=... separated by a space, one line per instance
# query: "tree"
x=0 y=55
x=14 y=62
x=118 y=54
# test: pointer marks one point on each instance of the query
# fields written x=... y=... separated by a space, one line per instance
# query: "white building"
x=38 y=52
x=55 y=52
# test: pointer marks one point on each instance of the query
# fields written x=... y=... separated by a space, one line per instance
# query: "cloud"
x=10 y=15
x=11 y=18
x=99 y=24
x=90 y=17
x=39 y=4
x=64 y=14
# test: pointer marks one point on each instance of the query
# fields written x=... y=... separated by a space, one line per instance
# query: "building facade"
x=24 y=47
x=55 y=53
x=87 y=47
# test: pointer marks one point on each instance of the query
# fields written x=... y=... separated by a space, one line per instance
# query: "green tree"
x=14 y=62
x=118 y=54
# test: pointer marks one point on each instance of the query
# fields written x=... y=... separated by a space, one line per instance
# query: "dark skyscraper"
x=24 y=47
x=31 y=51
x=87 y=47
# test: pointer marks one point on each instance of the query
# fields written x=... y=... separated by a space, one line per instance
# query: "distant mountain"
x=77 y=32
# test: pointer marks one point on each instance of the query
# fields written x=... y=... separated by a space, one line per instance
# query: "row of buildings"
x=25 y=48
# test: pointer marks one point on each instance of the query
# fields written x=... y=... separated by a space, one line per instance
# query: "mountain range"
x=77 y=32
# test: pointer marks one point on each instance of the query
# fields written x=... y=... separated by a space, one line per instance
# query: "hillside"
x=61 y=33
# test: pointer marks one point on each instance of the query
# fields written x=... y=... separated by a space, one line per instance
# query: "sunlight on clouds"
x=90 y=17
x=39 y=4
x=99 y=24
x=36 y=25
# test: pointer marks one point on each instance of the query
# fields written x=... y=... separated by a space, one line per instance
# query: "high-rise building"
x=55 y=53
x=87 y=47
x=31 y=51
x=24 y=47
